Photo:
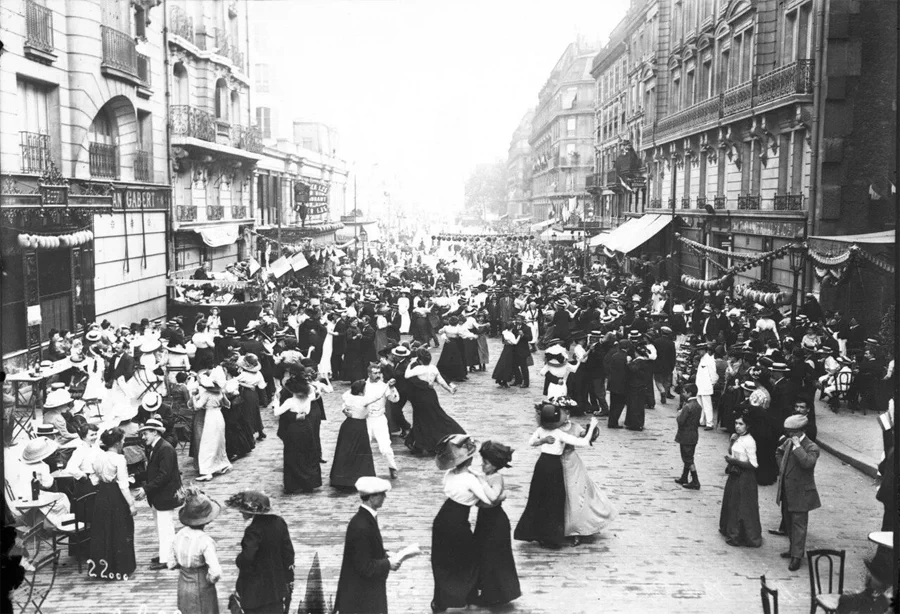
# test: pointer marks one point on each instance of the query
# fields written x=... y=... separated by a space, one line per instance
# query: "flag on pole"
x=280 y=266
x=625 y=184
x=254 y=266
x=299 y=261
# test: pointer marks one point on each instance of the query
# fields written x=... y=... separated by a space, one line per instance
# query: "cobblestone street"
x=663 y=552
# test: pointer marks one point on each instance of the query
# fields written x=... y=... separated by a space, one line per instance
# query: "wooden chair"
x=38 y=584
x=769 y=597
x=843 y=385
x=79 y=539
x=827 y=599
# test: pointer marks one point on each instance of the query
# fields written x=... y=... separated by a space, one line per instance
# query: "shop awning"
x=633 y=233
x=542 y=225
x=883 y=237
x=219 y=236
x=519 y=220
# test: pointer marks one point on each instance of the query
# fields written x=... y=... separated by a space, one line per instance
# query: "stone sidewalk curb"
x=848 y=455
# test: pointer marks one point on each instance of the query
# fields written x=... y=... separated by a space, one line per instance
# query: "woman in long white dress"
x=327 y=347
x=403 y=309
x=212 y=459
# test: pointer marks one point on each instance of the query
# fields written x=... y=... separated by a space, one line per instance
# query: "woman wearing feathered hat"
x=454 y=552
x=194 y=552
x=545 y=513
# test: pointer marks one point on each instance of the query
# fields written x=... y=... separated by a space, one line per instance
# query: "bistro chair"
x=843 y=385
x=769 y=597
x=831 y=580
x=147 y=383
x=79 y=539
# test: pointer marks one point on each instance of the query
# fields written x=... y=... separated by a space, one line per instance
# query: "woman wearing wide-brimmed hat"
x=19 y=472
x=544 y=517
x=194 y=551
x=454 y=552
x=266 y=561
x=498 y=581
x=212 y=457
x=253 y=392
x=112 y=526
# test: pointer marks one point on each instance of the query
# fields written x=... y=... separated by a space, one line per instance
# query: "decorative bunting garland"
x=52 y=241
x=473 y=237
x=707 y=284
x=708 y=249
x=770 y=299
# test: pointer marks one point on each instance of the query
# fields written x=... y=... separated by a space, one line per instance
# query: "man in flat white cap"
x=362 y=587
x=797 y=493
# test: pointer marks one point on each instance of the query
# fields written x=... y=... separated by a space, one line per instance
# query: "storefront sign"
x=771 y=228
x=311 y=193
x=132 y=199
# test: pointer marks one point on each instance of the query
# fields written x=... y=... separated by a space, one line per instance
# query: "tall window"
x=182 y=89
x=723 y=82
x=797 y=42
x=221 y=100
x=705 y=90
x=689 y=89
x=102 y=129
x=264 y=121
x=742 y=57
x=677 y=20
x=262 y=78
x=797 y=160
x=676 y=92
x=34 y=126
x=236 y=117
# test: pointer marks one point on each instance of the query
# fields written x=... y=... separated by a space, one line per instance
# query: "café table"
x=882 y=538
x=24 y=408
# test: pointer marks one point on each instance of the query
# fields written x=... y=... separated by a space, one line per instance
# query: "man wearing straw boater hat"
x=366 y=564
x=161 y=488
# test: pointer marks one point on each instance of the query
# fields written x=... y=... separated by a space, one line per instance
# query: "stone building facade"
x=518 y=171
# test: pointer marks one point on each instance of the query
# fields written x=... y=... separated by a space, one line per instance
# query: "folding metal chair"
x=149 y=384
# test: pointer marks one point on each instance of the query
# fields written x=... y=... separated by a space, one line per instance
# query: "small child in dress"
x=195 y=552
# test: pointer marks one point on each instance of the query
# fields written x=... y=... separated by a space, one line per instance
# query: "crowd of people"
x=614 y=344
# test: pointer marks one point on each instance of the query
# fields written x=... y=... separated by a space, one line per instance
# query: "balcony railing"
x=788 y=202
x=670 y=204
x=691 y=117
x=104 y=160
x=193 y=122
x=592 y=182
x=719 y=202
x=39 y=26
x=685 y=203
x=238 y=212
x=119 y=51
x=612 y=177
x=226 y=47
x=749 y=202
x=181 y=24
x=655 y=204
x=245 y=137
x=215 y=212
x=143 y=69
x=35 y=152
x=142 y=166
x=186 y=213
x=702 y=201
x=793 y=78
x=738 y=98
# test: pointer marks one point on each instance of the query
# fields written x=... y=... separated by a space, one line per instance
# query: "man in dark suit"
x=797 y=492
x=688 y=419
x=161 y=488
x=664 y=365
x=616 y=367
x=784 y=393
x=396 y=370
x=366 y=564
x=521 y=352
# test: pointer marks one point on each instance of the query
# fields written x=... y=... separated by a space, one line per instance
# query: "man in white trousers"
x=161 y=488
x=706 y=378
x=376 y=392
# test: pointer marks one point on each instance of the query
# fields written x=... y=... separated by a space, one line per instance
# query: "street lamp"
x=363 y=236
x=797 y=253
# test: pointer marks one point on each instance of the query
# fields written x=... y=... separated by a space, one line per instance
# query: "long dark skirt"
x=454 y=557
x=197 y=423
x=728 y=407
x=430 y=422
x=452 y=363
x=112 y=536
x=739 y=520
x=765 y=432
x=419 y=328
x=204 y=358
x=504 y=370
x=354 y=367
x=352 y=454
x=544 y=518
x=238 y=429
x=302 y=471
x=251 y=408
x=470 y=349
x=316 y=415
x=636 y=403
x=498 y=581
x=196 y=594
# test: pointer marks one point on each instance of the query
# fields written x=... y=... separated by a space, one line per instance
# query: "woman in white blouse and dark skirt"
x=454 y=552
x=739 y=520
x=194 y=552
x=544 y=518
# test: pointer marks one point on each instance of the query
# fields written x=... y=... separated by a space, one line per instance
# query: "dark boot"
x=684 y=475
x=694 y=484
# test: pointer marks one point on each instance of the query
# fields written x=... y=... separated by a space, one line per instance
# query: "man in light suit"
x=161 y=488
x=797 y=493
x=362 y=587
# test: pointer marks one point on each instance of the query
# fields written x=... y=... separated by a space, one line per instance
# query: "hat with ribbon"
x=198 y=509
x=665 y=330
x=779 y=367
x=453 y=450
x=59 y=397
x=250 y=363
x=38 y=449
x=231 y=331
x=749 y=386
x=550 y=416
x=153 y=425
x=46 y=430
x=401 y=352
x=151 y=402
x=150 y=345
x=92 y=336
x=250 y=502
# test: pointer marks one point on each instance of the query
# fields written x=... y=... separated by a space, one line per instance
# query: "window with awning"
x=633 y=233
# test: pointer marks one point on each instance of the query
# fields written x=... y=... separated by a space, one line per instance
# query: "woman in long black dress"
x=302 y=471
x=430 y=422
x=239 y=441
x=454 y=551
x=354 y=366
x=353 y=450
x=452 y=363
x=504 y=370
x=112 y=527
x=498 y=581
x=739 y=519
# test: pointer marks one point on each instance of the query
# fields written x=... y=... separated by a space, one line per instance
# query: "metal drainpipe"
x=251 y=171
x=817 y=124
x=170 y=238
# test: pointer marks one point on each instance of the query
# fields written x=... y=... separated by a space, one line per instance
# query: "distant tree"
x=486 y=189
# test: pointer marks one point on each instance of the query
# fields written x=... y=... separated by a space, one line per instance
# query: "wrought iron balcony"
x=685 y=203
x=186 y=213
x=793 y=78
x=142 y=166
x=670 y=204
x=181 y=24
x=247 y=138
x=592 y=182
x=788 y=202
x=702 y=201
x=35 y=152
x=39 y=26
x=738 y=98
x=238 y=212
x=226 y=47
x=748 y=202
x=143 y=69
x=193 y=122
x=655 y=204
x=612 y=177
x=719 y=202
x=215 y=212
x=104 y=160
x=119 y=51
x=691 y=118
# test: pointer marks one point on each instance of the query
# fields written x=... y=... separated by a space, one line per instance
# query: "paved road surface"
x=662 y=554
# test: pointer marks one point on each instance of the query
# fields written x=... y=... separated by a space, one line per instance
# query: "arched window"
x=103 y=149
x=182 y=91
x=221 y=100
x=235 y=108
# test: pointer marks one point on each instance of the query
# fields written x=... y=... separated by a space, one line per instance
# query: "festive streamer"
x=472 y=237
x=828 y=261
x=770 y=299
x=707 y=284
x=48 y=241
x=708 y=249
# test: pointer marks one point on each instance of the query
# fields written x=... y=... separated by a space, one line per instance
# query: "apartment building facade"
x=518 y=171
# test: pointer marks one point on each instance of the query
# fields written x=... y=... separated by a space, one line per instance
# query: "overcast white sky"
x=427 y=88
